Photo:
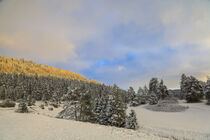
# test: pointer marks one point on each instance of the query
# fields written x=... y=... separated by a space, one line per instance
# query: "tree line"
x=84 y=101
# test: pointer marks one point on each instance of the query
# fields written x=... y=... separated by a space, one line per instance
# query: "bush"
x=22 y=108
x=7 y=103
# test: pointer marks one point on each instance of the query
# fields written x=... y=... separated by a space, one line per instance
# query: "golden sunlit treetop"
x=11 y=65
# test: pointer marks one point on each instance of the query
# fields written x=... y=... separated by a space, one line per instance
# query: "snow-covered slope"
x=38 y=125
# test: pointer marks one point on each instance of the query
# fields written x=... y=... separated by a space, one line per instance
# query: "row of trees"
x=192 y=90
x=157 y=91
x=84 y=101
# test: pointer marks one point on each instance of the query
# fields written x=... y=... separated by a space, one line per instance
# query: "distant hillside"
x=11 y=65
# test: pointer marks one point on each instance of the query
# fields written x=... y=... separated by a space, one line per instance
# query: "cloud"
x=120 y=68
x=123 y=42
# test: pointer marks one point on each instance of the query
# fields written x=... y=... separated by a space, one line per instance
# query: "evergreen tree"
x=136 y=100
x=192 y=89
x=153 y=86
x=131 y=93
x=183 y=85
x=131 y=121
x=146 y=90
x=86 y=107
x=162 y=91
x=117 y=109
x=153 y=99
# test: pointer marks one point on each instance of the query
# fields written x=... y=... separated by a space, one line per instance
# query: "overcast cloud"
x=113 y=41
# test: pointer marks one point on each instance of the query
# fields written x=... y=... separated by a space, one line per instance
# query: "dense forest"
x=84 y=101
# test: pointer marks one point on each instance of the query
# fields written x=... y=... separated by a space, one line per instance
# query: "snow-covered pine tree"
x=74 y=104
x=86 y=107
x=183 y=85
x=193 y=89
x=117 y=111
x=136 y=100
x=142 y=95
x=153 y=86
x=131 y=121
x=131 y=93
x=100 y=108
x=162 y=90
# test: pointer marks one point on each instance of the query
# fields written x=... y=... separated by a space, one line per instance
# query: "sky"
x=126 y=42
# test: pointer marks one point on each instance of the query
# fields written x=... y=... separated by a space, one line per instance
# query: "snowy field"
x=41 y=125
x=192 y=124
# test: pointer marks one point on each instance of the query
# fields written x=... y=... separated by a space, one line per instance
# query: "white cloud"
x=120 y=68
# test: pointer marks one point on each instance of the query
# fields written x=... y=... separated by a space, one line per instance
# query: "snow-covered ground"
x=41 y=125
x=194 y=123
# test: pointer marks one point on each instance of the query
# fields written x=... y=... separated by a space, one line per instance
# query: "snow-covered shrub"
x=22 y=108
x=131 y=121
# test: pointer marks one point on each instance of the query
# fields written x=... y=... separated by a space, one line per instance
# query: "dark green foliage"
x=7 y=103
